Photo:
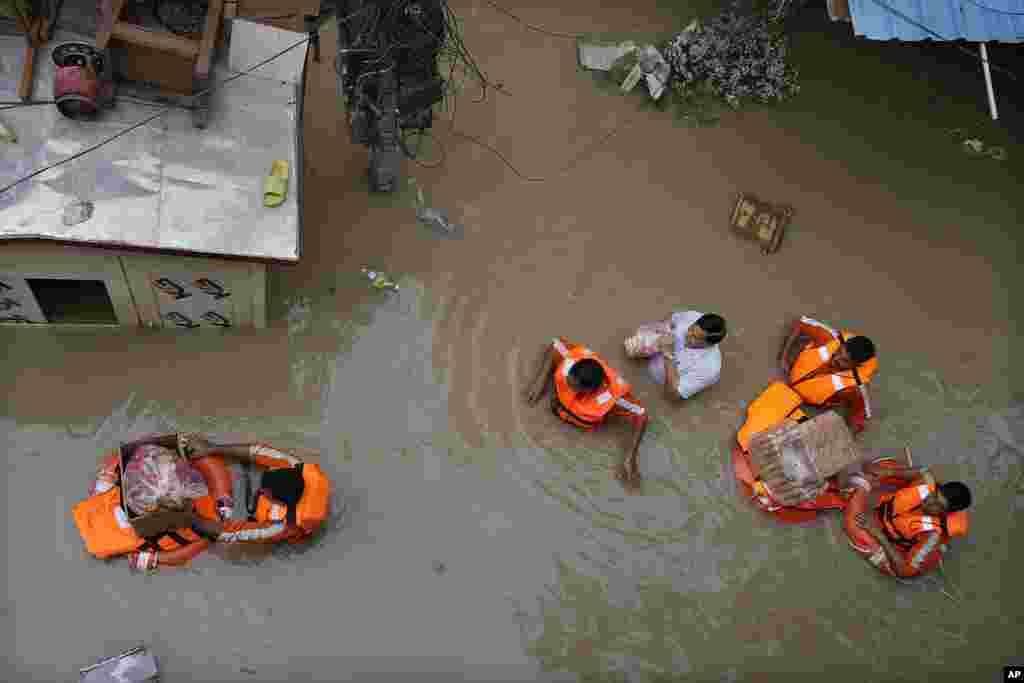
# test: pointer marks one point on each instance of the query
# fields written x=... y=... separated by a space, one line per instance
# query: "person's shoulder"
x=713 y=358
x=686 y=318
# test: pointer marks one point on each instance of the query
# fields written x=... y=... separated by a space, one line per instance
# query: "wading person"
x=682 y=352
x=832 y=368
x=291 y=504
x=588 y=392
x=913 y=526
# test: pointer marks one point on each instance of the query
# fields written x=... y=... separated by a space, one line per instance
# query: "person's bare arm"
x=667 y=348
x=197 y=446
x=671 y=377
x=538 y=387
x=639 y=429
x=628 y=472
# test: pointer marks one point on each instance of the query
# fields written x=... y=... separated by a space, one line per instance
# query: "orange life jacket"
x=313 y=507
x=902 y=519
x=585 y=411
x=768 y=410
x=104 y=526
x=819 y=389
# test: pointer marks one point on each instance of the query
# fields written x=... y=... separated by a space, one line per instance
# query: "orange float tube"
x=219 y=504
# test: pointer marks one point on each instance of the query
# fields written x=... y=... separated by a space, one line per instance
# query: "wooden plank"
x=839 y=10
x=157 y=40
x=230 y=12
x=213 y=16
x=271 y=8
x=146 y=65
x=144 y=296
x=109 y=16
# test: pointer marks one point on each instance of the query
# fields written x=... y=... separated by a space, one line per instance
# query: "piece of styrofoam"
x=251 y=43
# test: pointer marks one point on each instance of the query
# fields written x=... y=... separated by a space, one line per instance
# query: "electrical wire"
x=994 y=10
x=904 y=17
x=19 y=105
x=543 y=179
x=164 y=109
x=533 y=27
x=415 y=157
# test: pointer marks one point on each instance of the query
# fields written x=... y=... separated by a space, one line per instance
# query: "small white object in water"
x=78 y=212
x=379 y=280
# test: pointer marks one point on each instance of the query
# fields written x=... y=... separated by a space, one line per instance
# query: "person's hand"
x=533 y=393
x=194 y=446
x=666 y=344
x=208 y=527
x=628 y=474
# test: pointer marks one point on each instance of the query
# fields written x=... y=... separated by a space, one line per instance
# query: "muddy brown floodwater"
x=477 y=538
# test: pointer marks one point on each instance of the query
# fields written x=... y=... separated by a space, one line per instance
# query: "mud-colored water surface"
x=476 y=538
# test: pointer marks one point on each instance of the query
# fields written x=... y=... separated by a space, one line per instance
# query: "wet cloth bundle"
x=157 y=478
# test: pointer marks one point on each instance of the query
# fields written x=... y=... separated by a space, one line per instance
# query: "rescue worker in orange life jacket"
x=292 y=503
x=588 y=392
x=831 y=369
x=917 y=522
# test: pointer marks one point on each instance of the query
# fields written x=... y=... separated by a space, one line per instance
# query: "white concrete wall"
x=156 y=290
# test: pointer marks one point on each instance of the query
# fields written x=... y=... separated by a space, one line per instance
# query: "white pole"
x=988 y=83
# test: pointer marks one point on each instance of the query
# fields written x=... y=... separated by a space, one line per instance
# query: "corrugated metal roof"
x=973 y=20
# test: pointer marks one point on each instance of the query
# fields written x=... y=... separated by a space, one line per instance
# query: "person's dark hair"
x=587 y=374
x=957 y=495
x=861 y=349
x=285 y=485
x=713 y=326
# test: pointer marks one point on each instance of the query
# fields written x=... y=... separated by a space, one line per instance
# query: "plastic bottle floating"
x=379 y=280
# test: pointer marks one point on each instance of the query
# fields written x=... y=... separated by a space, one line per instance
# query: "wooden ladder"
x=174 y=63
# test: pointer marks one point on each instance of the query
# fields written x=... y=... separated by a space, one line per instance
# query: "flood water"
x=476 y=538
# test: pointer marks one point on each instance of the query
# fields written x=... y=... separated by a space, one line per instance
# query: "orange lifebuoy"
x=219 y=504
x=182 y=555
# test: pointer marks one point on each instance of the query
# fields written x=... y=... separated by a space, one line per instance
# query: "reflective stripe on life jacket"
x=585 y=411
x=818 y=389
x=768 y=410
x=902 y=519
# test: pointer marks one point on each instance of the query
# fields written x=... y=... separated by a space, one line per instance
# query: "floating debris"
x=7 y=133
x=380 y=280
x=78 y=212
x=602 y=57
x=437 y=221
x=439 y=567
x=976 y=147
x=655 y=69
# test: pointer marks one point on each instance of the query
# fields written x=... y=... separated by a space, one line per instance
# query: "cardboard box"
x=161 y=521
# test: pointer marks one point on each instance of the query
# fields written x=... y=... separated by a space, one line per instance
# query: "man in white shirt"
x=684 y=357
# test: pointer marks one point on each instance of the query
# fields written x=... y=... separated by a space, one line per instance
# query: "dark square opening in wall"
x=73 y=302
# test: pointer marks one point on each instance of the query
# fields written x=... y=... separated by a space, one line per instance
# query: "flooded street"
x=476 y=538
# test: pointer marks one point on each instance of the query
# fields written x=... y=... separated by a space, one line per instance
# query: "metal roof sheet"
x=911 y=20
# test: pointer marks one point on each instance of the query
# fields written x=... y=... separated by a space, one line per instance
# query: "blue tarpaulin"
x=910 y=20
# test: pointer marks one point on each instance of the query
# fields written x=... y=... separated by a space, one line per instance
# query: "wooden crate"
x=794 y=460
x=760 y=221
